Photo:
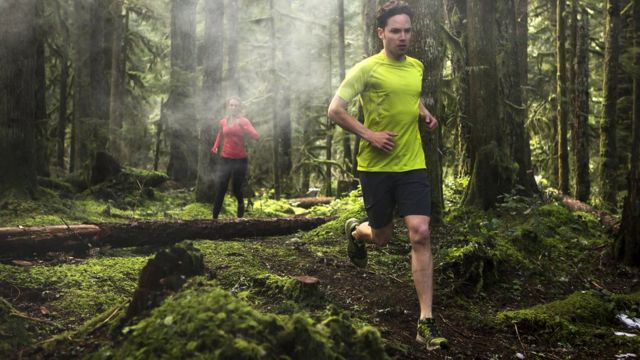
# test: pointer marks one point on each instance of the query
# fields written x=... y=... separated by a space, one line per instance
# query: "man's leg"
x=381 y=237
x=421 y=261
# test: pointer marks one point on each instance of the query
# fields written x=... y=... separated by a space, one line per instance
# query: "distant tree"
x=609 y=126
x=562 y=99
x=181 y=110
x=211 y=96
x=493 y=171
x=18 y=43
x=63 y=84
x=580 y=131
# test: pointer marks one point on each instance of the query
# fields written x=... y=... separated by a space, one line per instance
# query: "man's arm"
x=429 y=119
x=383 y=140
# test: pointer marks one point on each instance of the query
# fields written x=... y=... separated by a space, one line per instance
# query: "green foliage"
x=345 y=208
x=204 y=321
x=13 y=331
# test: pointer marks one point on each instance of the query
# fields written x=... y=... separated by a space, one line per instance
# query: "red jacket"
x=233 y=138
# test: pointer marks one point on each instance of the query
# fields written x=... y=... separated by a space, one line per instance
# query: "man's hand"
x=429 y=119
x=382 y=140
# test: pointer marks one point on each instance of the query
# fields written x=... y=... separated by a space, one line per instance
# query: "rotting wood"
x=25 y=241
x=606 y=219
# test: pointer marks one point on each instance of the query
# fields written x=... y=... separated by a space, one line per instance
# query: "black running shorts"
x=409 y=191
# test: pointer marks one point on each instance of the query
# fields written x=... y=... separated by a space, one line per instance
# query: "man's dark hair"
x=392 y=8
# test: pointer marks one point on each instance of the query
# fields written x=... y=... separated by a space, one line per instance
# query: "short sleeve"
x=354 y=82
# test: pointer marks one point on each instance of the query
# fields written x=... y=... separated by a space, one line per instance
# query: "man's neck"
x=395 y=58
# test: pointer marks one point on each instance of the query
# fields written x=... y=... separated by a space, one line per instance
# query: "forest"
x=109 y=110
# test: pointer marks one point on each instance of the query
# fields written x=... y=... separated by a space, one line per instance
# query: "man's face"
x=396 y=35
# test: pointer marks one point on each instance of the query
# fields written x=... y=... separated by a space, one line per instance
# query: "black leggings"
x=236 y=169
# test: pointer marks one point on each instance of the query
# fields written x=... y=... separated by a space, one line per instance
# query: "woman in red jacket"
x=233 y=164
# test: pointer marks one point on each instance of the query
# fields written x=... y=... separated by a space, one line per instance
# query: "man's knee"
x=420 y=234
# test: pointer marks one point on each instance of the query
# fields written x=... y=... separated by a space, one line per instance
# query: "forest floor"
x=530 y=279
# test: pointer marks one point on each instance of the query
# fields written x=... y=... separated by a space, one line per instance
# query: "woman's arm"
x=249 y=129
x=214 y=149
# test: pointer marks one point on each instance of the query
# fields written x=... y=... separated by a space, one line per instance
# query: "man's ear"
x=380 y=32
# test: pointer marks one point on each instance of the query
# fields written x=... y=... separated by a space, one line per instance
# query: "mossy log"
x=309 y=202
x=608 y=221
x=21 y=241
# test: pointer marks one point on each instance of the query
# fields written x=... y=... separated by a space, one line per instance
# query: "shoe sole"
x=442 y=346
x=352 y=248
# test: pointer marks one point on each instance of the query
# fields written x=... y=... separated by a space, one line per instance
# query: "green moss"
x=204 y=321
x=13 y=330
x=77 y=291
x=584 y=317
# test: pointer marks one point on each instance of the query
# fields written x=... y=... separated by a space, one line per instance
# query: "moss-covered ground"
x=529 y=277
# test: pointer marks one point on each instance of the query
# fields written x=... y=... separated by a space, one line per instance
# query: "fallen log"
x=21 y=241
x=309 y=202
x=606 y=220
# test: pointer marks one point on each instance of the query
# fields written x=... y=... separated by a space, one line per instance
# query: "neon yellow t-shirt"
x=390 y=94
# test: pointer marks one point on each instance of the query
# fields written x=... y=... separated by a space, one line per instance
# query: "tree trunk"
x=91 y=110
x=427 y=46
x=26 y=241
x=562 y=100
x=346 y=136
x=515 y=108
x=211 y=97
x=580 y=133
x=456 y=20
x=627 y=246
x=42 y=122
x=63 y=116
x=553 y=104
x=232 y=88
x=492 y=173
x=635 y=142
x=608 y=129
x=181 y=114
x=118 y=73
x=17 y=96
x=277 y=181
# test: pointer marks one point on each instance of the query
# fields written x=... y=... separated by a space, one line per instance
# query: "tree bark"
x=26 y=241
x=562 y=99
x=608 y=128
x=580 y=135
x=17 y=96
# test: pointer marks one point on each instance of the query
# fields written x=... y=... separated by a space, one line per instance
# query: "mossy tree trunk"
x=181 y=111
x=553 y=104
x=562 y=98
x=346 y=136
x=635 y=142
x=17 y=96
x=211 y=97
x=608 y=128
x=492 y=173
x=580 y=132
x=428 y=47
x=511 y=91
